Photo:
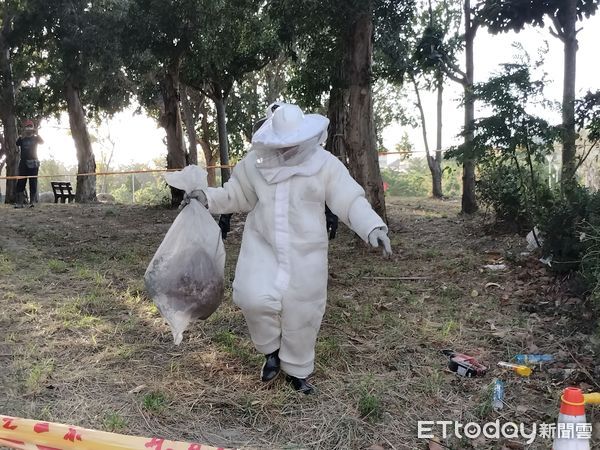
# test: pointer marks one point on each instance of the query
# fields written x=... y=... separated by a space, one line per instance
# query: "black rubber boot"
x=271 y=367
x=301 y=385
x=20 y=200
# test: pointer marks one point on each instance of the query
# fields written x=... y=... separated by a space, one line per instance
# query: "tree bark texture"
x=436 y=173
x=569 y=136
x=86 y=163
x=7 y=115
x=337 y=113
x=432 y=162
x=171 y=122
x=223 y=139
x=190 y=128
x=204 y=141
x=469 y=198
x=361 y=144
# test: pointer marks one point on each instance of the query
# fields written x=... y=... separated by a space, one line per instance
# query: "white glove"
x=379 y=235
x=198 y=195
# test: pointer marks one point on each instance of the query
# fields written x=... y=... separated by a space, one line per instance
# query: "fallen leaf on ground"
x=435 y=445
x=137 y=389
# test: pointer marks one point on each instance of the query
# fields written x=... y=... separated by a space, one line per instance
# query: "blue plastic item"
x=533 y=359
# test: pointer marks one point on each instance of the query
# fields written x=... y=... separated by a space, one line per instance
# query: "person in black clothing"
x=28 y=164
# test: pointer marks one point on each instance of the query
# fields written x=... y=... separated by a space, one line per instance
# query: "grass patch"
x=39 y=374
x=57 y=266
x=6 y=265
x=154 y=402
x=114 y=422
x=370 y=406
x=229 y=343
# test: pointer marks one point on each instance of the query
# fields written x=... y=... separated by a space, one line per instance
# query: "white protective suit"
x=281 y=275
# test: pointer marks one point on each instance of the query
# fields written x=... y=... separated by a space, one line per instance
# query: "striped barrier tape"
x=98 y=174
x=28 y=434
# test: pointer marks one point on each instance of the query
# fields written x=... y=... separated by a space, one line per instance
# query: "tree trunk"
x=432 y=162
x=86 y=163
x=436 y=174
x=204 y=141
x=223 y=140
x=361 y=143
x=7 y=115
x=190 y=128
x=469 y=199
x=337 y=112
x=275 y=79
x=171 y=122
x=569 y=137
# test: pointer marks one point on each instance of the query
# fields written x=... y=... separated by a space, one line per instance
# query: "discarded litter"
x=520 y=370
x=533 y=359
x=534 y=240
x=495 y=266
x=498 y=395
x=464 y=365
x=547 y=261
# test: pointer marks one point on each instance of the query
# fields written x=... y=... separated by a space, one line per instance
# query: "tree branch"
x=582 y=160
x=456 y=78
x=559 y=31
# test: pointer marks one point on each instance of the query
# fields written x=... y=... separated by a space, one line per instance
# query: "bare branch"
x=559 y=29
x=582 y=160
x=554 y=33
x=456 y=78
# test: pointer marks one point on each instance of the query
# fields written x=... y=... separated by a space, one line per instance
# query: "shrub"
x=563 y=220
x=415 y=181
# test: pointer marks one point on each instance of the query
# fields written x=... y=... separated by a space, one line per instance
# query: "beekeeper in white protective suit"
x=281 y=276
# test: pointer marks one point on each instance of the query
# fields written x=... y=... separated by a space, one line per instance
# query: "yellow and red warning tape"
x=38 y=435
x=98 y=174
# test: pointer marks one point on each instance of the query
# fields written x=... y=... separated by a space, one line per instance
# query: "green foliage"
x=157 y=193
x=415 y=180
x=590 y=264
x=511 y=132
x=315 y=35
x=246 y=42
x=587 y=115
x=562 y=219
x=512 y=195
x=154 y=402
x=504 y=16
x=510 y=145
x=53 y=168
x=75 y=42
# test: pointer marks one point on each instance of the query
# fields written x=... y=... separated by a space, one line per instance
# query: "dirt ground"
x=83 y=344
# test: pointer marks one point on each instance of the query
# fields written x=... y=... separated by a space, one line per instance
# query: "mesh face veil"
x=288 y=156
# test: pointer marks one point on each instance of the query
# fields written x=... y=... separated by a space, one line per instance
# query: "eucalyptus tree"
x=83 y=75
x=236 y=38
x=157 y=38
x=9 y=80
x=506 y=15
x=332 y=45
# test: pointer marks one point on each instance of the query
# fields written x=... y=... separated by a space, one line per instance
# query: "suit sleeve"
x=346 y=199
x=237 y=195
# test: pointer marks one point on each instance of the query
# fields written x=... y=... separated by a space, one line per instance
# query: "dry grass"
x=84 y=345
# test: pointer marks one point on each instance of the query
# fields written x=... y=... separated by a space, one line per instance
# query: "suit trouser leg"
x=262 y=314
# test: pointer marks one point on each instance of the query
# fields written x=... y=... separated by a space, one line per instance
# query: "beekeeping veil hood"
x=289 y=143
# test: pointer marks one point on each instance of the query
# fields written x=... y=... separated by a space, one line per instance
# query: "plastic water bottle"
x=498 y=395
x=533 y=359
